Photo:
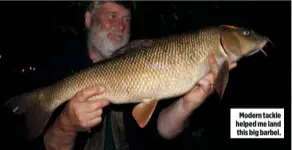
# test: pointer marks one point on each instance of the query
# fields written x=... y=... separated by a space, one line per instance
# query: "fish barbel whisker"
x=263 y=51
x=269 y=41
x=253 y=52
x=257 y=50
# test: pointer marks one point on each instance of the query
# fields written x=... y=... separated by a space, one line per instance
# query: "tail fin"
x=31 y=106
x=19 y=104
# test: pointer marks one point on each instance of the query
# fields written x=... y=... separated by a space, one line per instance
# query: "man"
x=108 y=24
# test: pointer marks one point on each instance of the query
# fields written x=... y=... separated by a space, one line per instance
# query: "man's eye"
x=111 y=16
x=127 y=19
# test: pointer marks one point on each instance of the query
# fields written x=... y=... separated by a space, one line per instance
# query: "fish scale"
x=145 y=72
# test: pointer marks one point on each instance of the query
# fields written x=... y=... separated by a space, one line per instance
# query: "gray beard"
x=101 y=44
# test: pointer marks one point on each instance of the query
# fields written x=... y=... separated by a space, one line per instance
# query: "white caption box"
x=256 y=123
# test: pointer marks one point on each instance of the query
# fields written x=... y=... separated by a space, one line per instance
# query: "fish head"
x=239 y=42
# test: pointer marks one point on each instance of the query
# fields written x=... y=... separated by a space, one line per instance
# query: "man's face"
x=110 y=30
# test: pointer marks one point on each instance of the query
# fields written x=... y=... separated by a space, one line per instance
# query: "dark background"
x=32 y=32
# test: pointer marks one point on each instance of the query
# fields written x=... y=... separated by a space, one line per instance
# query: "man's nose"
x=121 y=25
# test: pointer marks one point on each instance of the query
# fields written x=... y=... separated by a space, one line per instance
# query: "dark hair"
x=130 y=5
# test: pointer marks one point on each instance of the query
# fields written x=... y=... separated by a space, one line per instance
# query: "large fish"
x=145 y=72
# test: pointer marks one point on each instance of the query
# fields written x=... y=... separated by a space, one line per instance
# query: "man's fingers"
x=93 y=122
x=96 y=104
x=233 y=65
x=88 y=92
x=210 y=77
x=95 y=114
x=213 y=65
x=205 y=85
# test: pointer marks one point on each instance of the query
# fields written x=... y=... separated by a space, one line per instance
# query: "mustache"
x=118 y=33
x=97 y=29
x=114 y=30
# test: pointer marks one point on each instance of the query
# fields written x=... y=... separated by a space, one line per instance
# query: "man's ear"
x=87 y=19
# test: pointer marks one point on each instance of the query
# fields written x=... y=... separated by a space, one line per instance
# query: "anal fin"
x=142 y=112
x=222 y=79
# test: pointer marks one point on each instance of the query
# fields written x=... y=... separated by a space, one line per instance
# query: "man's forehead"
x=114 y=7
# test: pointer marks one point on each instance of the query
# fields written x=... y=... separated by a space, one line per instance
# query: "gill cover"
x=230 y=41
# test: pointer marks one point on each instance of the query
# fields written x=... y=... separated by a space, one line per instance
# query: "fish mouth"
x=261 y=46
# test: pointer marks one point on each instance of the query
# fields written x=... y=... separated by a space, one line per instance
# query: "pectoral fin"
x=142 y=112
x=222 y=79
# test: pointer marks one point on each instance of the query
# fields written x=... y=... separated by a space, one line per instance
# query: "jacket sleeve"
x=150 y=137
x=37 y=144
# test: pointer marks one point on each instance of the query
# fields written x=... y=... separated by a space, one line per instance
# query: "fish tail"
x=21 y=103
x=30 y=105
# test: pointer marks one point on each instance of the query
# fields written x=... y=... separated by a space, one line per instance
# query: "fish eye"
x=245 y=32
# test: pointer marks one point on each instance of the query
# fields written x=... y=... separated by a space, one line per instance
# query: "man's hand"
x=204 y=87
x=171 y=119
x=80 y=114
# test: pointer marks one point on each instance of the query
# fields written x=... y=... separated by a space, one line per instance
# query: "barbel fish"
x=145 y=72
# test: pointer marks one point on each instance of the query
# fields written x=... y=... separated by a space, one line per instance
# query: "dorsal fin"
x=132 y=46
